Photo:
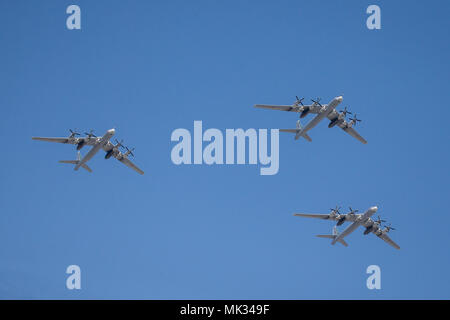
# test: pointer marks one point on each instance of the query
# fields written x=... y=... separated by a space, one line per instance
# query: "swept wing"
x=87 y=141
x=313 y=108
x=386 y=238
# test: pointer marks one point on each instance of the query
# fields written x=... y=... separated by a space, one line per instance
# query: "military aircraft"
x=97 y=143
x=357 y=220
x=322 y=111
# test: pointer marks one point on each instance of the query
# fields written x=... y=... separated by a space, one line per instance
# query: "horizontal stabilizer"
x=68 y=161
x=85 y=166
x=75 y=162
x=333 y=236
x=328 y=236
x=305 y=135
x=297 y=135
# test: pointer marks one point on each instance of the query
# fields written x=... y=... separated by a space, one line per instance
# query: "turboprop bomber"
x=337 y=118
x=97 y=143
x=364 y=220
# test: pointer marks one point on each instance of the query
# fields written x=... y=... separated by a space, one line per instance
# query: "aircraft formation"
x=321 y=111
x=337 y=118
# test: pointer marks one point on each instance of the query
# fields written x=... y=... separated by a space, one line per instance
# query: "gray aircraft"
x=364 y=220
x=97 y=143
x=322 y=111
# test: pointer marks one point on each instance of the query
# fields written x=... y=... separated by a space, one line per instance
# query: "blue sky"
x=222 y=232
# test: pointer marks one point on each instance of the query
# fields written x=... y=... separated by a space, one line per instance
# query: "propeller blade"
x=299 y=101
x=389 y=228
x=90 y=134
x=129 y=151
x=355 y=119
x=74 y=132
x=317 y=101
x=345 y=111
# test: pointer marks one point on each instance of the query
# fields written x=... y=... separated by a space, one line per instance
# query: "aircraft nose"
x=374 y=209
x=112 y=131
x=340 y=98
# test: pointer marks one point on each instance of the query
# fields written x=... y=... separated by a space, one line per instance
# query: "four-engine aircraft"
x=321 y=111
x=97 y=143
x=357 y=220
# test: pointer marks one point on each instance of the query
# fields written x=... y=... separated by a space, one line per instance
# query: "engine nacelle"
x=340 y=221
x=368 y=230
x=109 y=154
x=305 y=112
x=333 y=123
x=81 y=144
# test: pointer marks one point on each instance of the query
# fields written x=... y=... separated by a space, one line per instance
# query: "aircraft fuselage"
x=361 y=220
x=95 y=148
x=323 y=113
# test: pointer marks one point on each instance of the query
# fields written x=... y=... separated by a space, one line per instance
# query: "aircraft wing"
x=292 y=108
x=348 y=217
x=130 y=164
x=351 y=131
x=87 y=141
x=58 y=140
x=386 y=238
x=317 y=216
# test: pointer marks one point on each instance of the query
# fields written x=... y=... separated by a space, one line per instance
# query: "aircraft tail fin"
x=335 y=231
x=75 y=162
x=299 y=128
x=298 y=132
x=333 y=236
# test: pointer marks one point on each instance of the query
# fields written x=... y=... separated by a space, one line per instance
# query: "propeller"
x=317 y=101
x=355 y=119
x=73 y=133
x=299 y=101
x=379 y=220
x=352 y=211
x=129 y=151
x=90 y=134
x=119 y=144
x=336 y=210
x=345 y=111
x=389 y=228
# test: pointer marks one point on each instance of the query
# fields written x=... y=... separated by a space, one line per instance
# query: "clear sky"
x=223 y=232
